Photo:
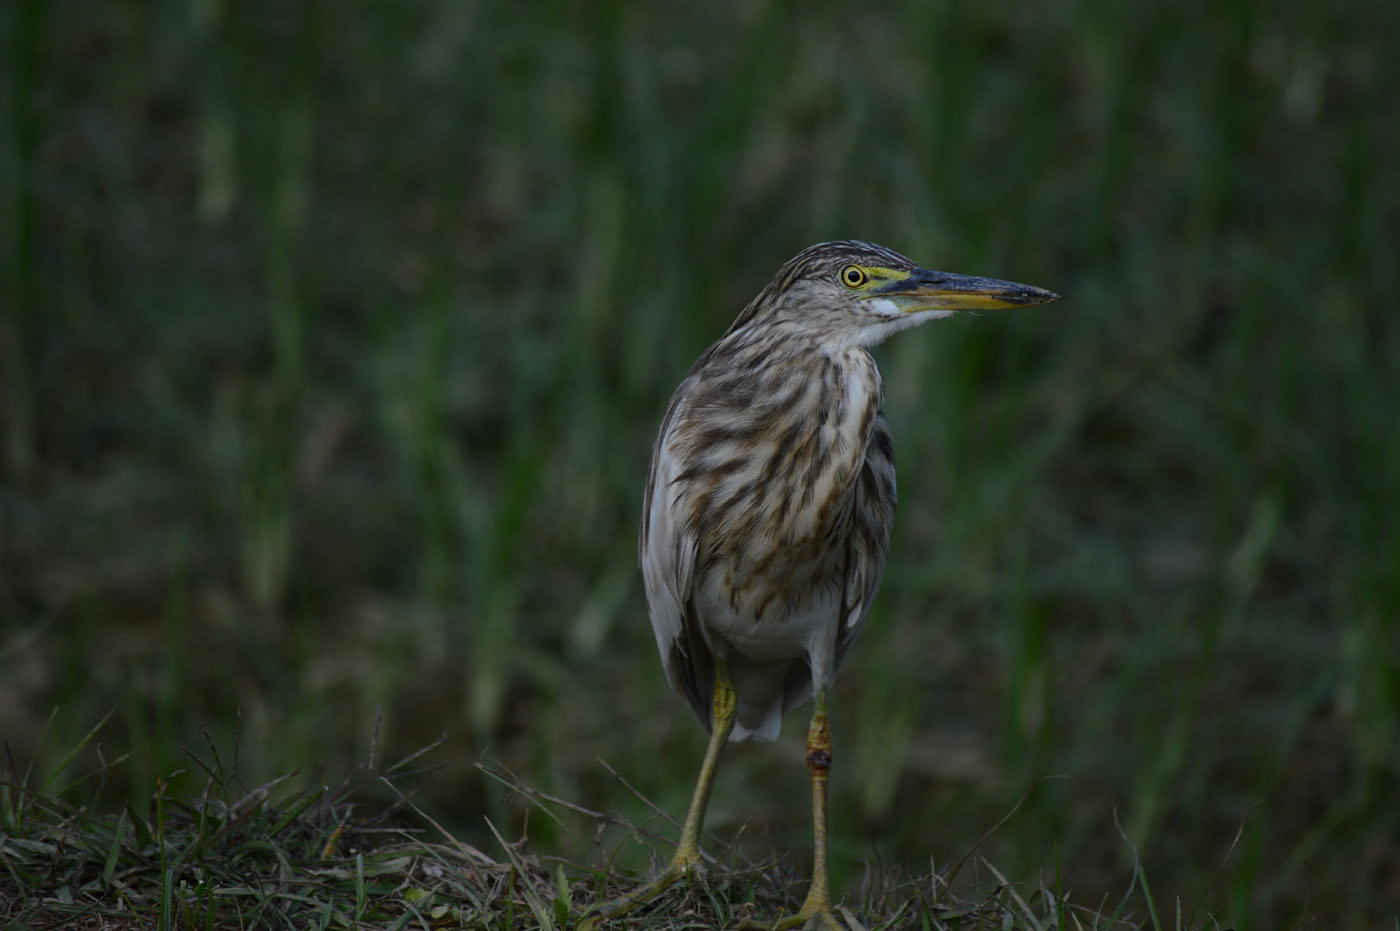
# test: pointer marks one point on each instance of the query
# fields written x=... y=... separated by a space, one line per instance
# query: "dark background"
x=335 y=337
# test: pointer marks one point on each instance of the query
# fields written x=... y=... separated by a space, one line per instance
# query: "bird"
x=768 y=509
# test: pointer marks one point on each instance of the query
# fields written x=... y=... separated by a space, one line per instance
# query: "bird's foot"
x=814 y=915
x=682 y=866
x=823 y=920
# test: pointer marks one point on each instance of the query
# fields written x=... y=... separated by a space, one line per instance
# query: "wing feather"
x=866 y=546
x=869 y=540
x=666 y=553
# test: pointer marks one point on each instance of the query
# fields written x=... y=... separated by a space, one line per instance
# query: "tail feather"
x=763 y=694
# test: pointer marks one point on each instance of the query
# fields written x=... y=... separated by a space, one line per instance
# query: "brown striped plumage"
x=770 y=501
x=783 y=482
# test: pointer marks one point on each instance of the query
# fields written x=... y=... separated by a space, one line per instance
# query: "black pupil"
x=853 y=276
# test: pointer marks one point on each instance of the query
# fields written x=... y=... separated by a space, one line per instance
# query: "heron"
x=768 y=509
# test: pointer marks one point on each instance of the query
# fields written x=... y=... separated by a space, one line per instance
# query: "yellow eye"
x=853 y=276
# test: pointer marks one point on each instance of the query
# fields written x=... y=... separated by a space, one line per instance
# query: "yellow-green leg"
x=816 y=909
x=687 y=859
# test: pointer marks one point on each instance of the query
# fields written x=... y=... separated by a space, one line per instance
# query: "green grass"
x=362 y=854
x=333 y=340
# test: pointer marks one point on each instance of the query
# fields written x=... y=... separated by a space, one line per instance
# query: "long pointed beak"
x=924 y=289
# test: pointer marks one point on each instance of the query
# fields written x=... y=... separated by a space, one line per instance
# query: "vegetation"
x=274 y=856
x=335 y=337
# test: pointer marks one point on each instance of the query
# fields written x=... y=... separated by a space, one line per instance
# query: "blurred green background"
x=335 y=337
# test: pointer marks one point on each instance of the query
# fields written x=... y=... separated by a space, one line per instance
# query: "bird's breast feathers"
x=759 y=468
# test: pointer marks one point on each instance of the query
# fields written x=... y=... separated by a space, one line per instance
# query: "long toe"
x=821 y=919
x=641 y=898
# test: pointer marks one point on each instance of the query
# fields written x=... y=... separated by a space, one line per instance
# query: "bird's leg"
x=816 y=908
x=687 y=859
x=721 y=724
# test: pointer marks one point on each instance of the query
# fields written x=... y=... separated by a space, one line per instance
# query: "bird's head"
x=857 y=293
